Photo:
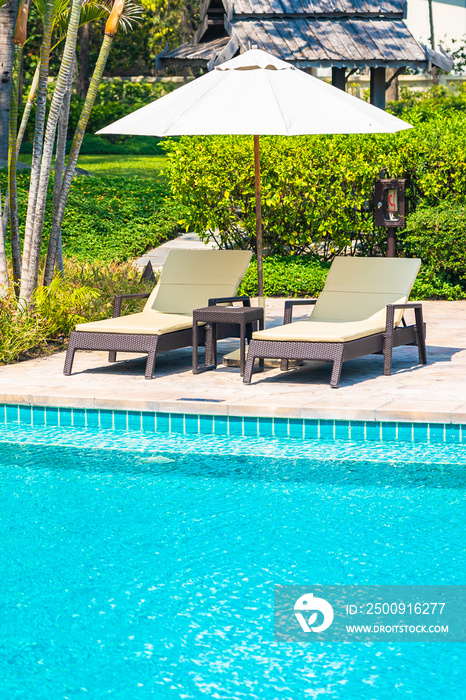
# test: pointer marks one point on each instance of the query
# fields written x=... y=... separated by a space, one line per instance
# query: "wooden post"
x=378 y=87
x=339 y=78
x=257 y=191
x=391 y=243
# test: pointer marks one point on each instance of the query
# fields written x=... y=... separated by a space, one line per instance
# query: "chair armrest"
x=289 y=303
x=119 y=298
x=221 y=300
x=416 y=305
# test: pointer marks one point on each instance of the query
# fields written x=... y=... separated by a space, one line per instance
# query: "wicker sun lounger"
x=359 y=312
x=190 y=279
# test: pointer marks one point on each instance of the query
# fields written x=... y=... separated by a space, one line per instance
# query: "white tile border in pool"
x=403 y=410
x=244 y=426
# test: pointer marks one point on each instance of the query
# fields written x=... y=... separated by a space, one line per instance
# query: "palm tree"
x=67 y=16
x=18 y=41
x=54 y=240
x=33 y=234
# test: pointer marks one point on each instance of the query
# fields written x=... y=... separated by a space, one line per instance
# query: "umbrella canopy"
x=256 y=93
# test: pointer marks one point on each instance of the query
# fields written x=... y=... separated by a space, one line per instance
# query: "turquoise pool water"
x=138 y=565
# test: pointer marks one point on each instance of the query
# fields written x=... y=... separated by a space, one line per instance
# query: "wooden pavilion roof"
x=307 y=33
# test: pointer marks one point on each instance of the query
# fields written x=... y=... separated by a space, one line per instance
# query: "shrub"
x=60 y=306
x=317 y=191
x=109 y=219
x=437 y=235
x=84 y=294
x=108 y=280
x=20 y=330
x=432 y=285
x=424 y=105
x=287 y=276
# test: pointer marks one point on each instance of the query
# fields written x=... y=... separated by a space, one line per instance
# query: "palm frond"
x=93 y=11
x=59 y=7
x=132 y=14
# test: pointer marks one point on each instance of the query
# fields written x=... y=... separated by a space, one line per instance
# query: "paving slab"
x=435 y=392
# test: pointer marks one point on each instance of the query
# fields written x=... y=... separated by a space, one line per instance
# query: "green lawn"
x=110 y=165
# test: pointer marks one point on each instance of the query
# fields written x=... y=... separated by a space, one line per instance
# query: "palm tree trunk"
x=4 y=281
x=60 y=163
x=19 y=140
x=73 y=159
x=27 y=109
x=8 y=14
x=30 y=274
x=12 y=160
x=84 y=72
x=38 y=130
x=110 y=31
x=18 y=40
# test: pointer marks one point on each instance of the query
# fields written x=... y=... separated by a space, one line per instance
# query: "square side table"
x=245 y=316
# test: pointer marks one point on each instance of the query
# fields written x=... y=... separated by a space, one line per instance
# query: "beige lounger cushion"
x=353 y=302
x=189 y=279
x=326 y=331
x=145 y=323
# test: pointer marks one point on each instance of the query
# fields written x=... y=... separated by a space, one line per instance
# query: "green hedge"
x=437 y=235
x=317 y=191
x=109 y=219
x=287 y=276
x=304 y=276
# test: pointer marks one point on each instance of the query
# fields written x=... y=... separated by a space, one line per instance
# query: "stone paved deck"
x=436 y=392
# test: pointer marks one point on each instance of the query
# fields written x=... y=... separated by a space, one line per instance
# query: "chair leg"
x=387 y=353
x=211 y=359
x=150 y=364
x=336 y=370
x=421 y=337
x=249 y=364
x=69 y=359
x=112 y=356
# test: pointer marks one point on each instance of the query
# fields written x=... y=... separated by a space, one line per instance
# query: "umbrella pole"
x=257 y=191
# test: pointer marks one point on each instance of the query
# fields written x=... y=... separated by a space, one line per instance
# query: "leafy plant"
x=20 y=330
x=85 y=294
x=60 y=306
x=108 y=280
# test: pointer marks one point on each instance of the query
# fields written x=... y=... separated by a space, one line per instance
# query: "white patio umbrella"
x=256 y=94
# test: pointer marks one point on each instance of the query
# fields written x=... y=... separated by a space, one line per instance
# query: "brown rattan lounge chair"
x=190 y=279
x=359 y=312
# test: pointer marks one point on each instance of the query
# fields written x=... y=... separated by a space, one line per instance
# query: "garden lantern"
x=390 y=209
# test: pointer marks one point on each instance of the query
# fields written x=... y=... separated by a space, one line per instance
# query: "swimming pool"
x=140 y=564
